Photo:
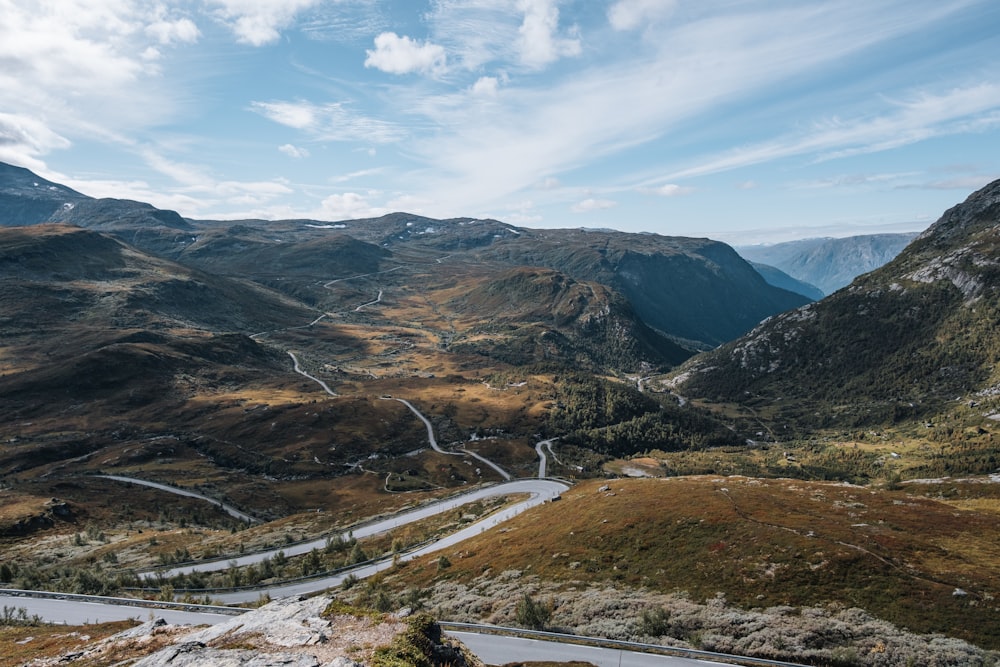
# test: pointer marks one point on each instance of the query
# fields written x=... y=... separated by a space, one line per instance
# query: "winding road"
x=229 y=509
x=437 y=448
x=538 y=489
x=543 y=460
x=298 y=369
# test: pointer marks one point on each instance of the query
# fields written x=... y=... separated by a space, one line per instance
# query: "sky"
x=741 y=120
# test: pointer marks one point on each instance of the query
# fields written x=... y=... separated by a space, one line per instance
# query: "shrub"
x=532 y=614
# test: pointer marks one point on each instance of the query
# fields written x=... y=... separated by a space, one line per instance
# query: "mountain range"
x=828 y=263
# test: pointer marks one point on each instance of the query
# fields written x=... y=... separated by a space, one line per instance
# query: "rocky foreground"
x=286 y=633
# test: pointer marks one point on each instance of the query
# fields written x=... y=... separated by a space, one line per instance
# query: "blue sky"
x=741 y=120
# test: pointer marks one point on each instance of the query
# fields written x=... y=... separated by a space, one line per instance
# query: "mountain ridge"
x=900 y=342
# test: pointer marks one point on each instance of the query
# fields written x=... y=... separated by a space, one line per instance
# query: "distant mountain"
x=532 y=314
x=697 y=291
x=829 y=263
x=692 y=289
x=900 y=342
x=779 y=278
x=27 y=199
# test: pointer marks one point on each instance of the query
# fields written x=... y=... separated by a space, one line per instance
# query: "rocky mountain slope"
x=27 y=199
x=829 y=263
x=900 y=342
x=579 y=321
x=692 y=289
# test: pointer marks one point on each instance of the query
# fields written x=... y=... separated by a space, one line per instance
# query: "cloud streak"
x=923 y=117
x=696 y=68
x=329 y=122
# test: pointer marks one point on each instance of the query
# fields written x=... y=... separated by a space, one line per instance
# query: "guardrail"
x=125 y=602
x=614 y=644
x=263 y=588
x=339 y=532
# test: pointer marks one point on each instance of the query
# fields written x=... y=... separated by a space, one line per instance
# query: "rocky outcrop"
x=289 y=632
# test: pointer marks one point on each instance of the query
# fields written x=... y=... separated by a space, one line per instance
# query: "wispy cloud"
x=590 y=204
x=293 y=151
x=632 y=14
x=924 y=116
x=23 y=140
x=546 y=128
x=329 y=122
x=670 y=190
x=349 y=205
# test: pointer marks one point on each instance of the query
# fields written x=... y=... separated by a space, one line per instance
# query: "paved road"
x=498 y=650
x=540 y=490
x=543 y=460
x=75 y=612
x=434 y=444
x=298 y=369
x=492 y=649
x=229 y=509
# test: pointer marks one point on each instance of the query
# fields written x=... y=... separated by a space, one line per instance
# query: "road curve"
x=434 y=444
x=548 y=489
x=228 y=509
x=543 y=461
x=298 y=369
x=539 y=490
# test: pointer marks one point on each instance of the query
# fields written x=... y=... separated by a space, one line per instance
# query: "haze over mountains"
x=828 y=263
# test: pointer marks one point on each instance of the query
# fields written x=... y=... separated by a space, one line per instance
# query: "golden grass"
x=19 y=645
x=762 y=543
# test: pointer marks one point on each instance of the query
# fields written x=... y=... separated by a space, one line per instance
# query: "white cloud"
x=671 y=190
x=347 y=206
x=538 y=43
x=697 y=66
x=259 y=22
x=588 y=205
x=28 y=135
x=331 y=122
x=293 y=151
x=402 y=55
x=181 y=30
x=300 y=115
x=485 y=86
x=632 y=14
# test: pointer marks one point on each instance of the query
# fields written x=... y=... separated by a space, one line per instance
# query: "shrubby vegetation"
x=617 y=420
x=823 y=635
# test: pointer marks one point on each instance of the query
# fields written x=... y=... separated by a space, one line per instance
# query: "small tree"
x=531 y=614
